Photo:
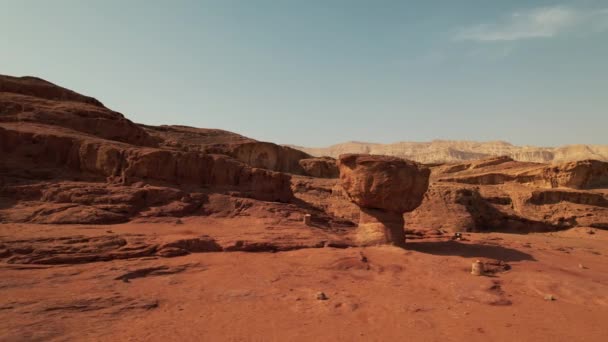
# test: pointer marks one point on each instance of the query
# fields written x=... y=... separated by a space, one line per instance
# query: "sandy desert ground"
x=424 y=292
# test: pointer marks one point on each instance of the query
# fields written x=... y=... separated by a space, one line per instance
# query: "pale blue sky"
x=322 y=72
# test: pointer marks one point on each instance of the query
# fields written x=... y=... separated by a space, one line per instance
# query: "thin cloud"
x=543 y=22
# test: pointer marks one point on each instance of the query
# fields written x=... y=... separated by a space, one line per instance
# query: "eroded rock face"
x=323 y=167
x=51 y=135
x=585 y=174
x=268 y=156
x=486 y=195
x=254 y=153
x=384 y=188
x=22 y=151
x=382 y=182
x=32 y=100
x=36 y=87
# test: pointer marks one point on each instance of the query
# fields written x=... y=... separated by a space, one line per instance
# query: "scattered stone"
x=581 y=266
x=492 y=266
x=363 y=257
x=307 y=219
x=477 y=268
x=322 y=296
x=550 y=297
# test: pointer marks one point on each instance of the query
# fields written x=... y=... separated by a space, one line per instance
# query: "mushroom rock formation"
x=384 y=188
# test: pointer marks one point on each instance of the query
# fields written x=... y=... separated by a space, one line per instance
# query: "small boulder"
x=322 y=296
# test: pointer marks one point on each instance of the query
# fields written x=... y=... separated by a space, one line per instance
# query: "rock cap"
x=383 y=182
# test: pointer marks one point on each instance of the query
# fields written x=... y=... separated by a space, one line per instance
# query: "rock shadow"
x=489 y=218
x=469 y=250
x=7 y=203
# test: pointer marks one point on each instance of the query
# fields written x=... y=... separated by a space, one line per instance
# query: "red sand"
x=423 y=293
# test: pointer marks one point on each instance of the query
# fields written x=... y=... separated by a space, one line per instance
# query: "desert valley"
x=117 y=231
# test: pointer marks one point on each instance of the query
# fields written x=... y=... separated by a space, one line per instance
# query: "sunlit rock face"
x=384 y=188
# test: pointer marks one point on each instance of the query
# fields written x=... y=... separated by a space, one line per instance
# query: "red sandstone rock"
x=583 y=174
x=33 y=100
x=36 y=87
x=51 y=135
x=323 y=167
x=254 y=153
x=586 y=174
x=382 y=182
x=384 y=188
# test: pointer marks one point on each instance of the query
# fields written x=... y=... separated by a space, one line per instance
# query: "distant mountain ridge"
x=443 y=151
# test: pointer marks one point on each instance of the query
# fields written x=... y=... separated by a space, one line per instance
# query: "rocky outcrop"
x=193 y=139
x=514 y=196
x=36 y=87
x=504 y=201
x=586 y=174
x=382 y=182
x=543 y=197
x=77 y=249
x=126 y=164
x=65 y=158
x=53 y=138
x=207 y=169
x=30 y=100
x=254 y=153
x=384 y=188
x=323 y=167
x=34 y=101
x=94 y=202
x=268 y=156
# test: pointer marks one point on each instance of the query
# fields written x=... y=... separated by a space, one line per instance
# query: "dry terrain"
x=112 y=230
x=423 y=293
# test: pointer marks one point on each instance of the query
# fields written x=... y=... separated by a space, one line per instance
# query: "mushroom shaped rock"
x=384 y=188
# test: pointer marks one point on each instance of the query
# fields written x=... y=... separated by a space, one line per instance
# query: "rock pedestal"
x=384 y=188
x=377 y=227
x=307 y=220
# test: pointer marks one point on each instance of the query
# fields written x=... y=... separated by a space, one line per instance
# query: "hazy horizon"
x=439 y=140
x=319 y=73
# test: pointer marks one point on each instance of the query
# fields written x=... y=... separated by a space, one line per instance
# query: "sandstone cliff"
x=443 y=151
x=254 y=153
x=51 y=137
